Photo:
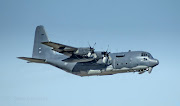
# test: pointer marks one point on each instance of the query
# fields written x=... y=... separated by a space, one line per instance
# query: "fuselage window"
x=120 y=55
x=146 y=55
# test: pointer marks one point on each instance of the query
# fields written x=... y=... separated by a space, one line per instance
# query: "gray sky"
x=149 y=25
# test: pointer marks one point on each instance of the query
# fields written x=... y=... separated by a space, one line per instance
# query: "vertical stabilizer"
x=41 y=51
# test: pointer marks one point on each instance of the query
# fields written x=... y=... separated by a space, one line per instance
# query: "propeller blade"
x=91 y=48
x=107 y=48
x=94 y=44
x=150 y=70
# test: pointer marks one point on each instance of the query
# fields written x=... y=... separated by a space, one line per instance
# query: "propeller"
x=105 y=55
x=91 y=49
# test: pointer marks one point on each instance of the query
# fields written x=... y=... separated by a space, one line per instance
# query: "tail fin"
x=41 y=51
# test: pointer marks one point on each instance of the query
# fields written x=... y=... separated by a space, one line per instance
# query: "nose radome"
x=156 y=61
x=153 y=62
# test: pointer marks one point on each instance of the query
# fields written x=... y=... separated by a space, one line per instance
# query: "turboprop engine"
x=105 y=57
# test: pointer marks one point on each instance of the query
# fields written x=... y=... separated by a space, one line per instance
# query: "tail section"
x=41 y=51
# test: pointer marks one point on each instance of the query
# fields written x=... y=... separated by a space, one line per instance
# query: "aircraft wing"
x=69 y=51
x=78 y=59
x=64 y=49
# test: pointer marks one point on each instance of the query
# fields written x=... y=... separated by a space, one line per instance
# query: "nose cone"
x=157 y=61
x=154 y=62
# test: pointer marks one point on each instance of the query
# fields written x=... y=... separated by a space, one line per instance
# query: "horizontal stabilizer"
x=35 y=60
x=78 y=60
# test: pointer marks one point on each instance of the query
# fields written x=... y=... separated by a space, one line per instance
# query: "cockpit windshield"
x=145 y=54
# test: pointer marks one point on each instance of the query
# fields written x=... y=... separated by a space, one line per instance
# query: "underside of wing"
x=64 y=49
x=75 y=54
x=78 y=59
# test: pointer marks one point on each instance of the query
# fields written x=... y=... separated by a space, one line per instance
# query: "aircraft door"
x=118 y=61
x=115 y=63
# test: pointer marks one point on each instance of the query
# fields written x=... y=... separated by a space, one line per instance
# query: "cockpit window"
x=145 y=54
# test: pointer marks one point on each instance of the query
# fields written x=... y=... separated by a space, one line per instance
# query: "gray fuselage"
x=132 y=61
x=86 y=61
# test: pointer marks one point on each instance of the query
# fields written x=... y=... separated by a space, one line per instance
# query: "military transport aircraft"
x=85 y=61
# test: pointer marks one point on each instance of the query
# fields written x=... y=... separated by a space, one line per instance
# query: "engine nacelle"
x=89 y=54
x=105 y=59
x=82 y=51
